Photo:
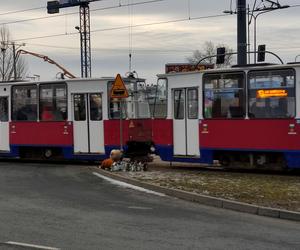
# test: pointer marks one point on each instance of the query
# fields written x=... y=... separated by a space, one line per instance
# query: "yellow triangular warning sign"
x=119 y=89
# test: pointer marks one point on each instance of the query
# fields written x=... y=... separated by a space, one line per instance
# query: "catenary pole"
x=241 y=32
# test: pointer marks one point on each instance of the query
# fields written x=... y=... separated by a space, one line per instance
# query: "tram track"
x=165 y=165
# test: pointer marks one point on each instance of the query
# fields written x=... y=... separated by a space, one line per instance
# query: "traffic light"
x=261 y=53
x=221 y=55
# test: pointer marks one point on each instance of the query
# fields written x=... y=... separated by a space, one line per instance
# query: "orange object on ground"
x=107 y=163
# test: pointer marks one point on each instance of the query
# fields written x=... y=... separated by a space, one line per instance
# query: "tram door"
x=88 y=123
x=4 y=124
x=186 y=122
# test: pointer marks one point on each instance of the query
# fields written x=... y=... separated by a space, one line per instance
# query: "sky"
x=152 y=45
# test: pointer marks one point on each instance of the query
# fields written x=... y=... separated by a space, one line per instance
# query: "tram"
x=238 y=117
x=72 y=119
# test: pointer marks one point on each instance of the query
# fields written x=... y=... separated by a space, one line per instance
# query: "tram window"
x=179 y=104
x=272 y=94
x=24 y=103
x=114 y=109
x=158 y=99
x=80 y=107
x=136 y=106
x=192 y=103
x=140 y=98
x=3 y=109
x=224 y=95
x=53 y=102
x=95 y=107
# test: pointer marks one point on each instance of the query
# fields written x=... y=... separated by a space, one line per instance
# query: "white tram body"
x=241 y=115
x=71 y=119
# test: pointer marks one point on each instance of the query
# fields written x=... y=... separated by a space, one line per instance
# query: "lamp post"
x=251 y=13
x=255 y=30
x=260 y=12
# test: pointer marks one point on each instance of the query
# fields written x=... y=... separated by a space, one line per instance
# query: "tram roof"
x=235 y=68
x=102 y=79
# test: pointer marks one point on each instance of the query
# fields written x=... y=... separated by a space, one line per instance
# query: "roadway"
x=67 y=207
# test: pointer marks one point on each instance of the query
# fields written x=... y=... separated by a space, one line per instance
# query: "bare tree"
x=7 y=58
x=210 y=49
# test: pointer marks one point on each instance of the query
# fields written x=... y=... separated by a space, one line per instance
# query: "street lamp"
x=255 y=25
x=255 y=30
x=251 y=13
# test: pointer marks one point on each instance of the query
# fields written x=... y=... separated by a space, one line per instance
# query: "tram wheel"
x=225 y=160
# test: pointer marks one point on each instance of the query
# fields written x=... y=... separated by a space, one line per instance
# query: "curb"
x=208 y=200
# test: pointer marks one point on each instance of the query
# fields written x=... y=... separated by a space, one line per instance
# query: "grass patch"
x=269 y=190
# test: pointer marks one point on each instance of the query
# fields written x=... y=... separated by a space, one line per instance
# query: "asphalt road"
x=67 y=207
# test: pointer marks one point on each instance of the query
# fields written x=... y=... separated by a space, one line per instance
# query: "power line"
x=73 y=13
x=293 y=6
x=20 y=11
x=76 y=12
x=111 y=49
x=127 y=26
x=26 y=10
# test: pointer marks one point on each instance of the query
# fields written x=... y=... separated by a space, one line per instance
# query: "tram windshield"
x=136 y=106
x=272 y=94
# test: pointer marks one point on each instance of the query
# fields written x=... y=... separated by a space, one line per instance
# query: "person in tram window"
x=47 y=114
x=235 y=110
x=96 y=108
x=280 y=108
x=259 y=109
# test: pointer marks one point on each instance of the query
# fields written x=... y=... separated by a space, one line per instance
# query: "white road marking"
x=140 y=208
x=12 y=243
x=126 y=185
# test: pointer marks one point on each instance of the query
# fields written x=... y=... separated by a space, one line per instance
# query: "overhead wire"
x=112 y=49
x=189 y=8
x=127 y=26
x=31 y=9
x=130 y=35
x=21 y=11
x=120 y=5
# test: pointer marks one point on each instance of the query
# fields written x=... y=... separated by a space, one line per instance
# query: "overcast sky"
x=153 y=46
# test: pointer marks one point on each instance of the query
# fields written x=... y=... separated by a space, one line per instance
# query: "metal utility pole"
x=84 y=29
x=242 y=32
x=85 y=40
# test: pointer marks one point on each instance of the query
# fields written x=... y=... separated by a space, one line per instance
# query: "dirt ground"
x=269 y=189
